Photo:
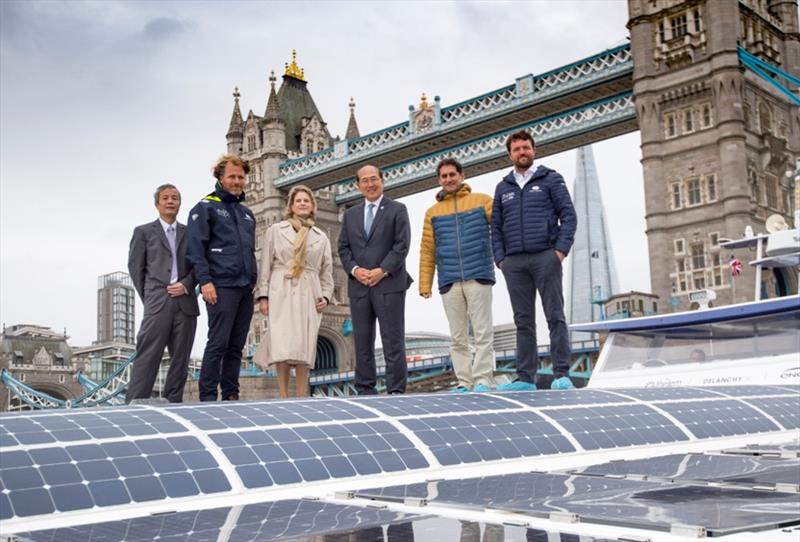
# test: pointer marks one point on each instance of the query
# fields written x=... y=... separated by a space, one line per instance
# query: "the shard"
x=592 y=275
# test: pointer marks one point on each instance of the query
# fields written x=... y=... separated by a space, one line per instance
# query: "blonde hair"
x=218 y=170
x=287 y=212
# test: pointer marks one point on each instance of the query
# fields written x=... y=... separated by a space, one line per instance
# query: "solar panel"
x=710 y=419
x=496 y=491
x=667 y=394
x=76 y=461
x=706 y=468
x=270 y=413
x=786 y=410
x=67 y=427
x=616 y=426
x=621 y=502
x=418 y=405
x=284 y=520
x=79 y=477
x=304 y=454
x=472 y=438
x=546 y=398
x=750 y=391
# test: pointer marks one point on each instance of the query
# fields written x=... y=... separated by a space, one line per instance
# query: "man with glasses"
x=373 y=246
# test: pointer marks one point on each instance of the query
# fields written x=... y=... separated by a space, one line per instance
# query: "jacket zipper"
x=522 y=210
x=458 y=236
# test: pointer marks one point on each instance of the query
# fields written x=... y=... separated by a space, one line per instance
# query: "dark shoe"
x=232 y=397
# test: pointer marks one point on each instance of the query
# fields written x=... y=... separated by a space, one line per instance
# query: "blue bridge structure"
x=431 y=374
x=577 y=104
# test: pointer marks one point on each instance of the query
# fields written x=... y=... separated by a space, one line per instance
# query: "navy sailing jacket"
x=538 y=217
x=222 y=241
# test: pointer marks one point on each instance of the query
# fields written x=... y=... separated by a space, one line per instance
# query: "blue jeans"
x=525 y=275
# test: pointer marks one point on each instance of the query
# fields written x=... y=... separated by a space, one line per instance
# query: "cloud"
x=102 y=101
x=162 y=28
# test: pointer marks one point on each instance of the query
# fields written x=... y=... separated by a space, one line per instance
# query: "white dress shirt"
x=174 y=225
x=524 y=177
x=367 y=203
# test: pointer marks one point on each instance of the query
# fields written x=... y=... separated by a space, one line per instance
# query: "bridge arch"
x=329 y=352
x=53 y=389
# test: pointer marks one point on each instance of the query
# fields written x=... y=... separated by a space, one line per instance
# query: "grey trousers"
x=526 y=274
x=168 y=328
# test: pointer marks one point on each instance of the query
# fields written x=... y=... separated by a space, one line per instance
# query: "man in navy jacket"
x=533 y=228
x=222 y=251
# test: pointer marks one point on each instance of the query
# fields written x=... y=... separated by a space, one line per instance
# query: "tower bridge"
x=577 y=127
x=574 y=94
x=717 y=135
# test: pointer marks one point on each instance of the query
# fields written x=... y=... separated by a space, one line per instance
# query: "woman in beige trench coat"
x=295 y=284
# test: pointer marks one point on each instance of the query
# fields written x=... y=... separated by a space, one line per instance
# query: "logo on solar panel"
x=791 y=373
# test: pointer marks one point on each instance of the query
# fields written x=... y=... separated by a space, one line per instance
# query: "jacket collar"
x=540 y=172
x=226 y=196
x=462 y=191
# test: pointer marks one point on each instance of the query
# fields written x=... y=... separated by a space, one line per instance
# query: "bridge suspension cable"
x=109 y=391
x=760 y=68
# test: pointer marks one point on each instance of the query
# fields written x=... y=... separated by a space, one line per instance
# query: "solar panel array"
x=782 y=409
x=752 y=471
x=617 y=426
x=308 y=454
x=719 y=418
x=296 y=519
x=473 y=438
x=68 y=461
x=608 y=501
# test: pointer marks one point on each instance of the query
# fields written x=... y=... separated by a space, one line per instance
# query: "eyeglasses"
x=369 y=180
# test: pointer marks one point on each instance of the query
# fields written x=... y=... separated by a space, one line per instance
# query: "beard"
x=523 y=162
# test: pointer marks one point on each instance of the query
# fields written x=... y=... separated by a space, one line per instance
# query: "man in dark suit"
x=373 y=246
x=165 y=283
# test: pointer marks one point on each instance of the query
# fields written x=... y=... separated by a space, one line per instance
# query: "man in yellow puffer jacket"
x=456 y=243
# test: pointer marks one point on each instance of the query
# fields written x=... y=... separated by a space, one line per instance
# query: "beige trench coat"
x=293 y=321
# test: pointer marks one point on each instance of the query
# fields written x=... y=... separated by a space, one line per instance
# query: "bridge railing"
x=526 y=90
x=548 y=130
x=110 y=390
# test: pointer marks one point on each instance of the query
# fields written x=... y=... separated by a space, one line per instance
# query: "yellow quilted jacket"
x=446 y=204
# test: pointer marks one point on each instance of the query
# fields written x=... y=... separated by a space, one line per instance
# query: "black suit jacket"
x=385 y=247
x=150 y=265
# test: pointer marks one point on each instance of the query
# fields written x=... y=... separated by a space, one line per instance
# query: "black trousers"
x=525 y=275
x=228 y=324
x=389 y=310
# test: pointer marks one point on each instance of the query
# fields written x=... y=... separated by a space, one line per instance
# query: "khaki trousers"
x=470 y=302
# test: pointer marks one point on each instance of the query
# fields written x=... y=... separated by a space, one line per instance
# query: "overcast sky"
x=102 y=101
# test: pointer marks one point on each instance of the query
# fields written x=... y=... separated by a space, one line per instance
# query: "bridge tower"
x=41 y=359
x=716 y=139
x=291 y=127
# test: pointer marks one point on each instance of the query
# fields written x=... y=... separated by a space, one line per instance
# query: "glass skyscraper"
x=592 y=276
